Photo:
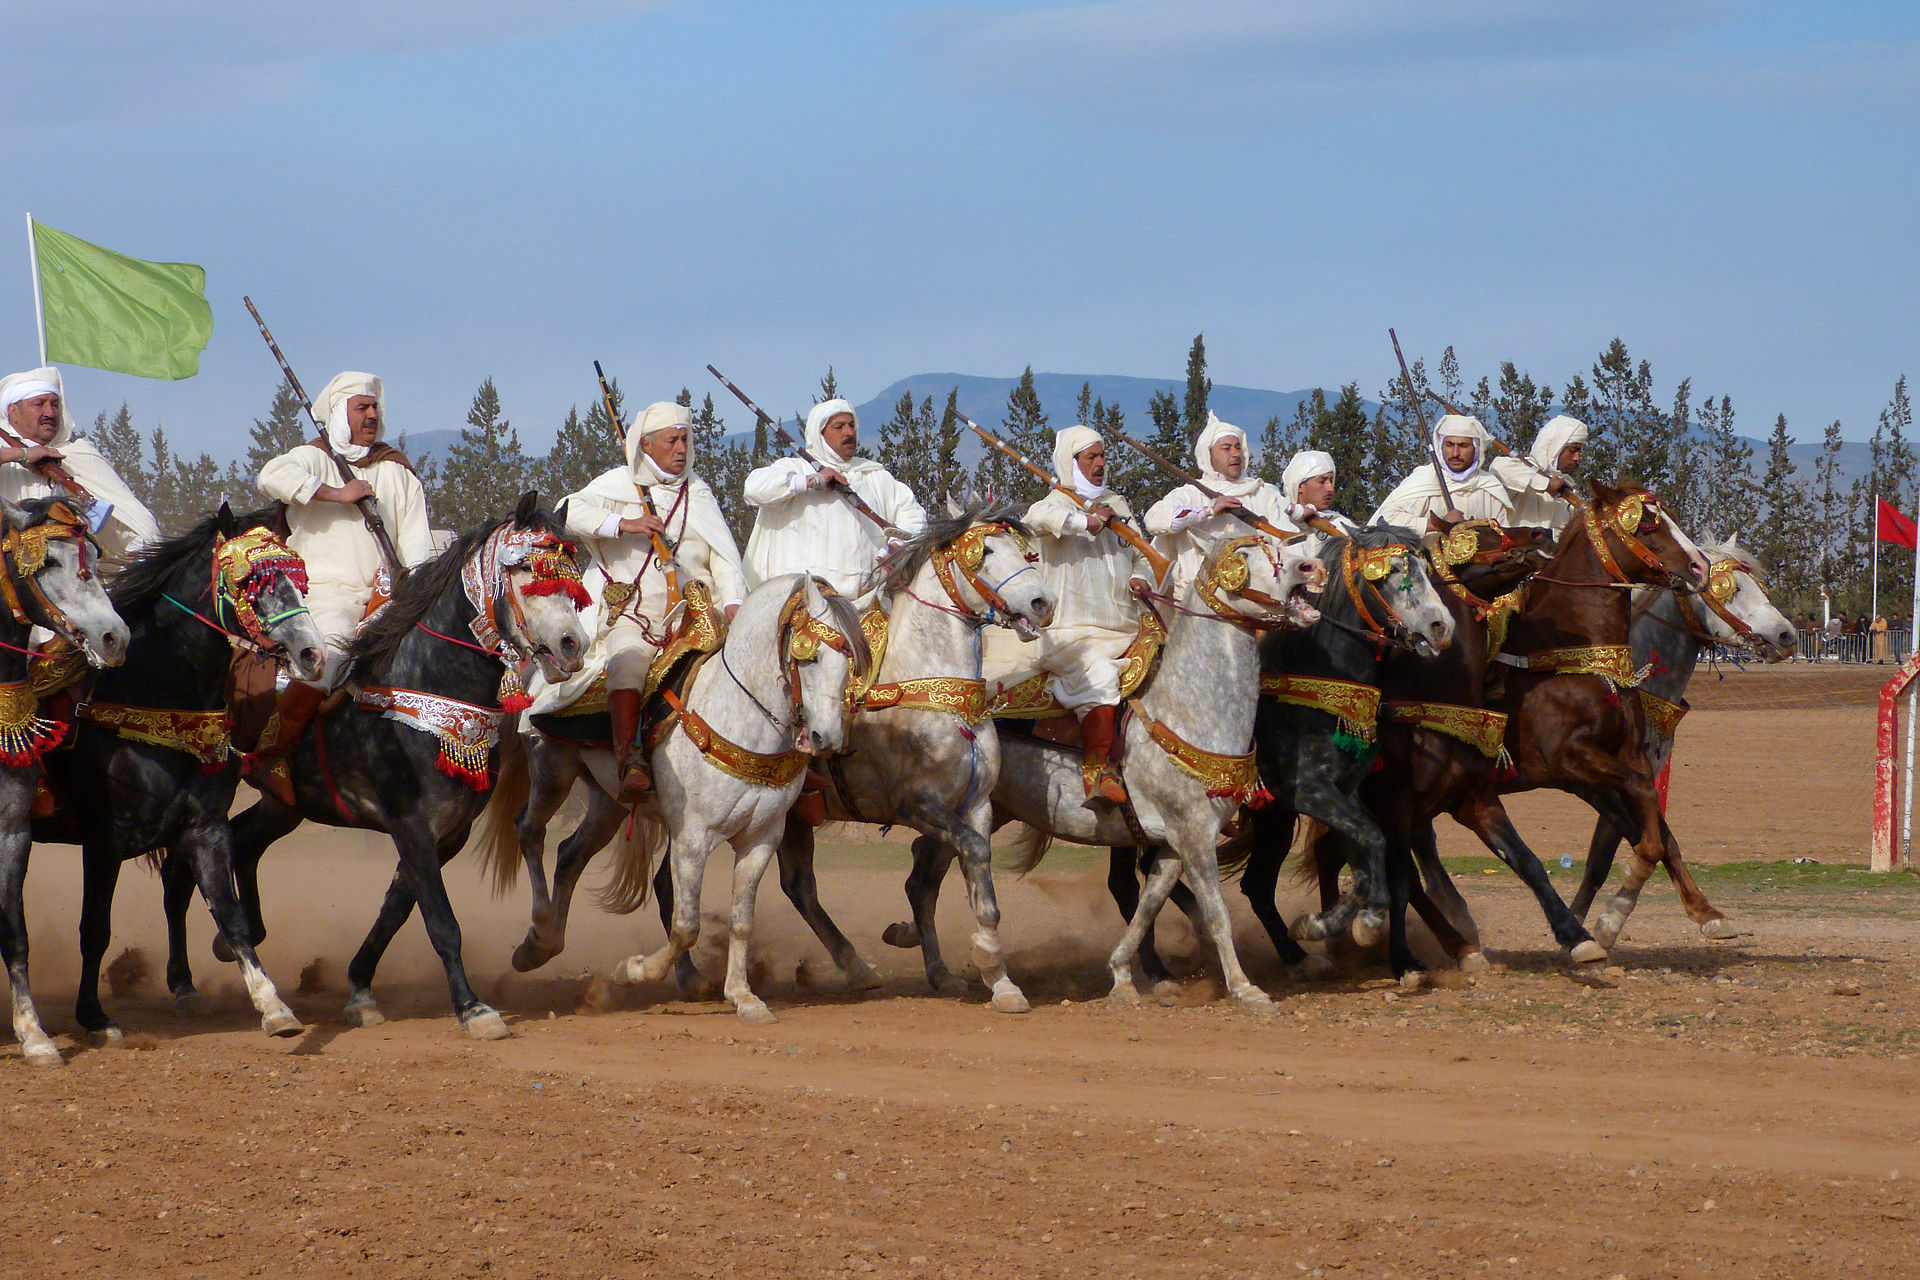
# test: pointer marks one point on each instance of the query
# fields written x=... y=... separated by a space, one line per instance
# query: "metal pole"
x=33 y=265
x=1913 y=708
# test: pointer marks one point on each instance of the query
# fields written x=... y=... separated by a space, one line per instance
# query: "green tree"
x=284 y=428
x=1732 y=508
x=946 y=479
x=1833 y=569
x=1199 y=389
x=1025 y=429
x=485 y=470
x=120 y=444
x=1632 y=439
x=1776 y=541
x=1685 y=495
x=1520 y=408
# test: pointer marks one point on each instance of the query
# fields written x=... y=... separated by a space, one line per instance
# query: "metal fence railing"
x=1855 y=646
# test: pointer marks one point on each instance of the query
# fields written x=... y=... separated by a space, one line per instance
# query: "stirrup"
x=636 y=784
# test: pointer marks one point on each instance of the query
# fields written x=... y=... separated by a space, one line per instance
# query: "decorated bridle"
x=1459 y=546
x=554 y=568
x=800 y=636
x=959 y=561
x=244 y=569
x=1227 y=570
x=1716 y=595
x=1627 y=519
x=1368 y=567
x=23 y=554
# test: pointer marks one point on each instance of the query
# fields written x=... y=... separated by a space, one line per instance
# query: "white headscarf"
x=1302 y=467
x=330 y=408
x=663 y=415
x=1068 y=445
x=1215 y=432
x=817 y=419
x=1554 y=437
x=1453 y=427
x=16 y=387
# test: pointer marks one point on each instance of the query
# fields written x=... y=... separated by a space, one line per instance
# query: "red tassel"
x=573 y=590
x=41 y=736
x=515 y=702
x=478 y=781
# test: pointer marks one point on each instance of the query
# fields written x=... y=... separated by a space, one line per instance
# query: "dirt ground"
x=1745 y=1108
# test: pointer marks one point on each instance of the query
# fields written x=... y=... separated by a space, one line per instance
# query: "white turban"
x=1554 y=437
x=1215 y=432
x=664 y=415
x=1068 y=445
x=16 y=387
x=1457 y=426
x=330 y=408
x=817 y=419
x=1302 y=467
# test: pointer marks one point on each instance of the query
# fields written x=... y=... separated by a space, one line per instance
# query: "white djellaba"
x=129 y=525
x=1476 y=493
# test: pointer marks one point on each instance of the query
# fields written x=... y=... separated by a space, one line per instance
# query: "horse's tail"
x=1324 y=856
x=496 y=835
x=1029 y=845
x=642 y=838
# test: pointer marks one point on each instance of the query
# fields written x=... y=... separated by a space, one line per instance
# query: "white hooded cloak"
x=803 y=530
x=129 y=525
x=1180 y=523
x=1533 y=506
x=1476 y=493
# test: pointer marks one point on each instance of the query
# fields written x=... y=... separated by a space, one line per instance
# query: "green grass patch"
x=1752 y=876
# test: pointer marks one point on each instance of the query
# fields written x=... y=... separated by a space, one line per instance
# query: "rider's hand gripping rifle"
x=1241 y=514
x=660 y=551
x=369 y=508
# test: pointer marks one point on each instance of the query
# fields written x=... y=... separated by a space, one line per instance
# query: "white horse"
x=1189 y=760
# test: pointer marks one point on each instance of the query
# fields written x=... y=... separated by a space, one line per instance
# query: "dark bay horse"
x=412 y=753
x=48 y=578
x=151 y=765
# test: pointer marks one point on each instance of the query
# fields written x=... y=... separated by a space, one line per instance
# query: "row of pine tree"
x=1813 y=533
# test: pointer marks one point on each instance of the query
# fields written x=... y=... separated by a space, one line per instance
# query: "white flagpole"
x=33 y=260
x=1913 y=709
x=1874 y=612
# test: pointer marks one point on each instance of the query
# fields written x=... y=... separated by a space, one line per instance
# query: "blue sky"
x=451 y=189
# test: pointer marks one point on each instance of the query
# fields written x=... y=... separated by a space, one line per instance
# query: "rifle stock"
x=369 y=509
x=1420 y=416
x=1241 y=514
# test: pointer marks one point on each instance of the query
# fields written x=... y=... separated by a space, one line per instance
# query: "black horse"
x=412 y=753
x=151 y=766
x=48 y=579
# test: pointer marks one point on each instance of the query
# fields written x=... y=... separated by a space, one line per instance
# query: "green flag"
x=107 y=311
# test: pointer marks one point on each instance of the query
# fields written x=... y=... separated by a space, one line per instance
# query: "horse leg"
x=1260 y=883
x=1365 y=907
x=1627 y=796
x=748 y=868
x=931 y=858
x=177 y=889
x=1486 y=817
x=209 y=848
x=419 y=882
x=1713 y=923
x=976 y=862
x=692 y=984
x=1203 y=877
x=1165 y=870
x=547 y=928
x=99 y=875
x=1123 y=883
x=803 y=891
x=1400 y=889
x=36 y=1046
x=1438 y=890
x=254 y=831
x=1600 y=851
x=688 y=860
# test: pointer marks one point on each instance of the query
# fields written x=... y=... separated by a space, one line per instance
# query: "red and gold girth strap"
x=207 y=736
x=468 y=733
x=1664 y=716
x=1483 y=730
x=1356 y=705
x=25 y=735
x=954 y=694
x=1235 y=777
x=727 y=755
x=1611 y=662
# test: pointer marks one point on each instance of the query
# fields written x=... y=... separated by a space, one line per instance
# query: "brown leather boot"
x=810 y=806
x=623 y=708
x=1097 y=773
x=291 y=712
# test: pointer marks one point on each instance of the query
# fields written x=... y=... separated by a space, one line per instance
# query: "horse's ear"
x=14 y=516
x=560 y=513
x=529 y=503
x=1603 y=494
x=223 y=522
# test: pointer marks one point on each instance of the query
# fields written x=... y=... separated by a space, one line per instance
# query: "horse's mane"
x=847 y=619
x=138 y=586
x=422 y=586
x=912 y=554
x=1742 y=559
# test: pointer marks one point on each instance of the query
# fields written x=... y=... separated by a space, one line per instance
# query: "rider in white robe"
x=1307 y=488
x=802 y=525
x=1541 y=492
x=611 y=518
x=1461 y=443
x=344 y=564
x=1186 y=523
x=35 y=406
x=1096 y=577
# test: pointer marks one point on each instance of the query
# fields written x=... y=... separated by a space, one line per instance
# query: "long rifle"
x=50 y=470
x=660 y=551
x=1565 y=495
x=369 y=509
x=839 y=488
x=1241 y=514
x=1420 y=415
x=1121 y=530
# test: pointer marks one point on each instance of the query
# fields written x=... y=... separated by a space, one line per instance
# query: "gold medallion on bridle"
x=804 y=646
x=1720 y=583
x=1626 y=516
x=1376 y=563
x=1460 y=546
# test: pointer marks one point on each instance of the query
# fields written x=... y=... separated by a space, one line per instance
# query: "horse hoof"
x=282 y=1022
x=1166 y=989
x=1477 y=962
x=530 y=955
x=1413 y=980
x=1588 y=952
x=1254 y=1000
x=1369 y=927
x=42 y=1053
x=947 y=984
x=221 y=951
x=1720 y=929
x=485 y=1024
x=1607 y=932
x=1010 y=1000
x=1307 y=929
x=191 y=1004
x=755 y=1012
x=1314 y=968
x=362 y=1011
x=902 y=935
x=1123 y=996
x=107 y=1035
x=861 y=977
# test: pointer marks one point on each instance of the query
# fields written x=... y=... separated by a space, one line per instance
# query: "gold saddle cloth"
x=702 y=629
x=1029 y=700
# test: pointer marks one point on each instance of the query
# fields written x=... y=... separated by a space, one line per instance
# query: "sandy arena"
x=1746 y=1108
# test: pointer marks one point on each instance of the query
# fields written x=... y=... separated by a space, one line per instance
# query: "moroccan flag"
x=107 y=311
x=1891 y=526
